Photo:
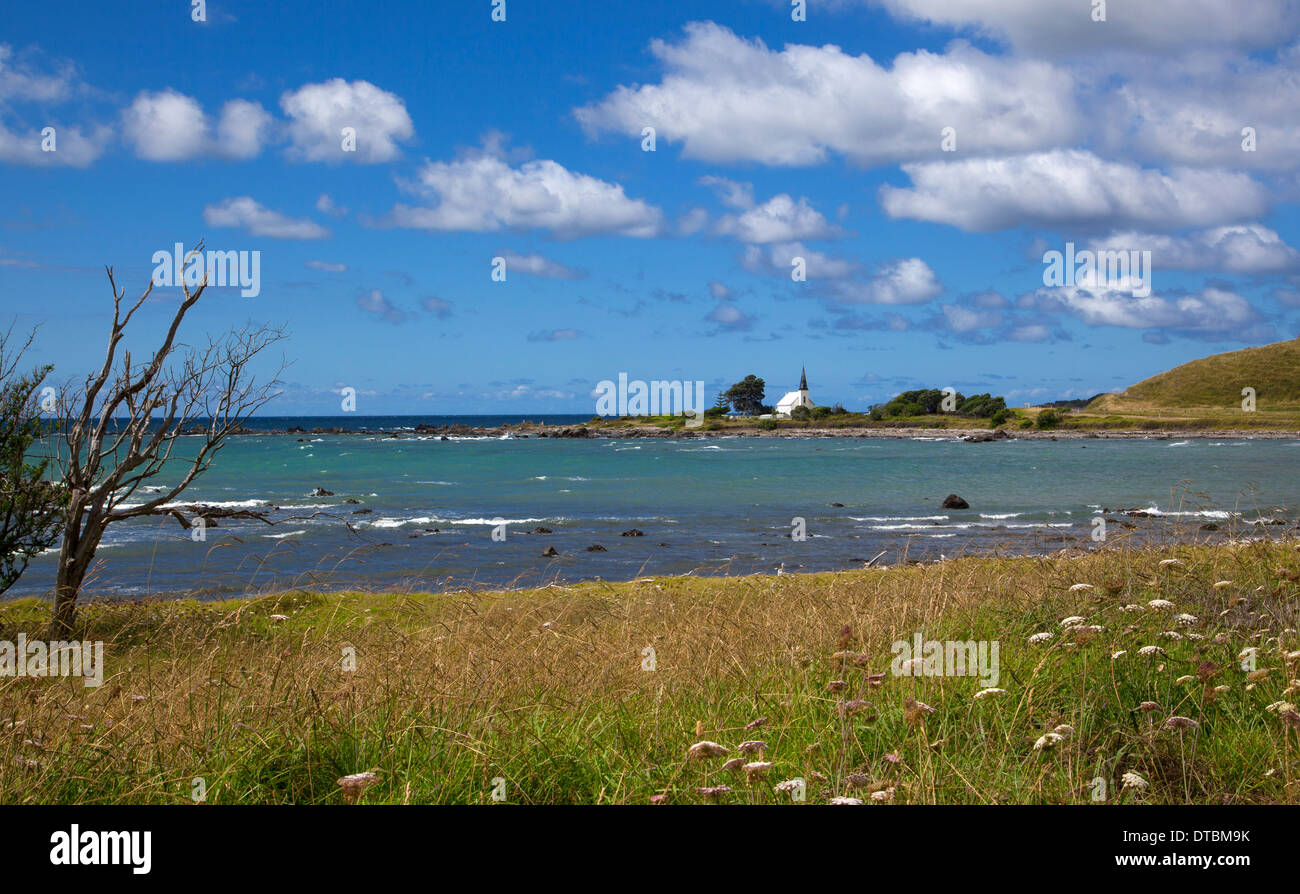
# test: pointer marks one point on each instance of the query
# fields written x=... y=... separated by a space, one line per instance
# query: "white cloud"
x=1149 y=25
x=243 y=128
x=21 y=80
x=1212 y=311
x=258 y=220
x=170 y=126
x=538 y=265
x=902 y=281
x=1248 y=249
x=482 y=193
x=377 y=305
x=166 y=126
x=967 y=319
x=1195 y=112
x=730 y=317
x=732 y=193
x=1070 y=188
x=326 y=266
x=326 y=205
x=72 y=146
x=777 y=259
x=779 y=219
x=319 y=112
x=728 y=99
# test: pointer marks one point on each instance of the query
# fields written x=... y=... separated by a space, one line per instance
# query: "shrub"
x=1048 y=419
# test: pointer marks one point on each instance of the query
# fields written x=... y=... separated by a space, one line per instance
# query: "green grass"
x=544 y=690
x=1212 y=386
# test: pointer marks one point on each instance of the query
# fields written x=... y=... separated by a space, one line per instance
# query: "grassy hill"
x=1214 y=384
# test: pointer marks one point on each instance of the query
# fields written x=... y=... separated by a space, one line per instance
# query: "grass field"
x=544 y=696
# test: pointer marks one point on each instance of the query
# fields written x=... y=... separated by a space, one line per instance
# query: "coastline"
x=527 y=430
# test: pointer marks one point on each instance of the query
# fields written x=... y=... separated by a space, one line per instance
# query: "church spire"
x=803 y=379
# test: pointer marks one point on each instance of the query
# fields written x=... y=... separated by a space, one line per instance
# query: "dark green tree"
x=746 y=396
x=31 y=507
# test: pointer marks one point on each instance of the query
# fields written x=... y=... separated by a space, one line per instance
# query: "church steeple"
x=803 y=379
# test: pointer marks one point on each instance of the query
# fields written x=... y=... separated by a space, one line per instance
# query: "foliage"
x=746 y=396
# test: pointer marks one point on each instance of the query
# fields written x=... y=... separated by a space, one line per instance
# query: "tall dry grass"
x=540 y=696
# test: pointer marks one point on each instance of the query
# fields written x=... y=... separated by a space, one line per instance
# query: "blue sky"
x=774 y=139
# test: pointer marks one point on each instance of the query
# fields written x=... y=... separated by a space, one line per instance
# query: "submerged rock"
x=952 y=501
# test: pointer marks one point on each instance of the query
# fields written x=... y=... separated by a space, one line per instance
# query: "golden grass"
x=541 y=696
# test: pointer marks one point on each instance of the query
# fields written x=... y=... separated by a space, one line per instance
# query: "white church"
x=794 y=399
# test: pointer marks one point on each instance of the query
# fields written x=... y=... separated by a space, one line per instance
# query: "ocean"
x=426 y=510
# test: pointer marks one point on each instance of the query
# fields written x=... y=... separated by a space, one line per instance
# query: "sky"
x=915 y=158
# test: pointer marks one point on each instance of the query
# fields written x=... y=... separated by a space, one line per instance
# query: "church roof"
x=803 y=379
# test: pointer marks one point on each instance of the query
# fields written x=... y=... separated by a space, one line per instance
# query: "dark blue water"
x=713 y=505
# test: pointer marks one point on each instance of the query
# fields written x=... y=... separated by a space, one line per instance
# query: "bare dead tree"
x=129 y=422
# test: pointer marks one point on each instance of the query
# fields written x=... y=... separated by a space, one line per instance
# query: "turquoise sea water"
x=714 y=505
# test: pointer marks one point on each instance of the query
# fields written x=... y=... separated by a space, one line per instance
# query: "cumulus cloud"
x=165 y=126
x=481 y=192
x=170 y=126
x=1070 y=188
x=73 y=146
x=1197 y=112
x=538 y=265
x=778 y=259
x=318 y=113
x=902 y=281
x=1149 y=25
x=258 y=220
x=727 y=316
x=1247 y=249
x=779 y=219
x=1213 y=312
x=727 y=99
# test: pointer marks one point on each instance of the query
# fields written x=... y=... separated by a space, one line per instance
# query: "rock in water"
x=952 y=501
x=550 y=552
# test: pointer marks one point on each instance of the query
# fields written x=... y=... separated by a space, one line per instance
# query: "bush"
x=767 y=424
x=1001 y=417
x=715 y=413
x=1048 y=419
x=821 y=412
x=801 y=414
x=1026 y=423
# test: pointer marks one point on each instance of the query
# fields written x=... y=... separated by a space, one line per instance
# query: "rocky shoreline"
x=525 y=430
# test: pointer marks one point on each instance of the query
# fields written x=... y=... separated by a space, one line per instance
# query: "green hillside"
x=1215 y=383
